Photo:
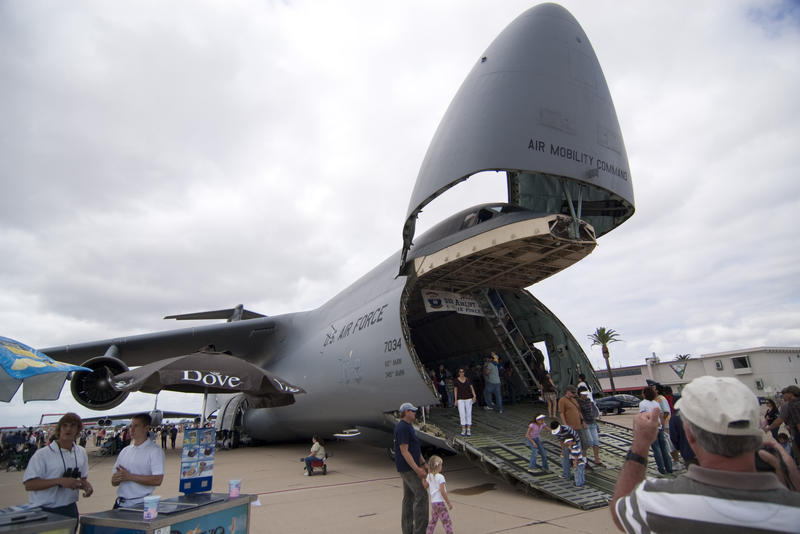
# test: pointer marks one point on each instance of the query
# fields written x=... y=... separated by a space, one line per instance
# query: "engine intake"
x=94 y=390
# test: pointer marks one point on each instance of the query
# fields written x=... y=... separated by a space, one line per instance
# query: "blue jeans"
x=539 y=449
x=566 y=462
x=660 y=449
x=493 y=389
x=580 y=475
x=308 y=460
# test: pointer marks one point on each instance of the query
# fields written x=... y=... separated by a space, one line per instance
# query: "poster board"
x=197 y=460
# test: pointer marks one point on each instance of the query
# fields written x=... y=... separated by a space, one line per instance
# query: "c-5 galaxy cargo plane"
x=536 y=107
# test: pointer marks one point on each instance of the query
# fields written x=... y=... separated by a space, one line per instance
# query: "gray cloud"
x=163 y=158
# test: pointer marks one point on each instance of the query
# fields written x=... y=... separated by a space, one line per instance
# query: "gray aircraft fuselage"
x=535 y=107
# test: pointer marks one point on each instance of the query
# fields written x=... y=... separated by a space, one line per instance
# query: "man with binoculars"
x=55 y=473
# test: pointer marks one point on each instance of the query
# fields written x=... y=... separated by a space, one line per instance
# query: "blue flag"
x=20 y=361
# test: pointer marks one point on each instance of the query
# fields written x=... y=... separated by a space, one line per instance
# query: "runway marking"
x=469 y=468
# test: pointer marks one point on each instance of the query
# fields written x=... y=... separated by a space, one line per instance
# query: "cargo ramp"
x=498 y=445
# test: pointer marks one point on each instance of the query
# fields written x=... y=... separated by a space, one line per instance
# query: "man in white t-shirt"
x=140 y=466
x=55 y=473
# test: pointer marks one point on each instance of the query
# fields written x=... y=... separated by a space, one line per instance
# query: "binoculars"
x=72 y=472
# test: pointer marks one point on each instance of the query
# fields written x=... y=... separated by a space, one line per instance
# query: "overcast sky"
x=169 y=157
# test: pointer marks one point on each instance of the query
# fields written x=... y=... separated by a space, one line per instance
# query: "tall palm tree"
x=603 y=337
x=680 y=357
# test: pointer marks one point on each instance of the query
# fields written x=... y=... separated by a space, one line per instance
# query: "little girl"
x=438 y=493
x=535 y=443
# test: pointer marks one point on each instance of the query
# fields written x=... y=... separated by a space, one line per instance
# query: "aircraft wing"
x=241 y=338
x=126 y=416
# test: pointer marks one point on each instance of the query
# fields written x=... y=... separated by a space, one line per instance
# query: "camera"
x=72 y=472
x=761 y=465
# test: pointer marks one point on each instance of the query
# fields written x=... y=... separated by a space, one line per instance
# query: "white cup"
x=151 y=507
x=234 y=487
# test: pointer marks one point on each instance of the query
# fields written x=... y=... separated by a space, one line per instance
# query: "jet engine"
x=94 y=390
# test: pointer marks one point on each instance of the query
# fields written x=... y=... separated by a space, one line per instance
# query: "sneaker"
x=469 y=432
x=499 y=411
x=305 y=473
x=531 y=470
x=487 y=408
x=463 y=433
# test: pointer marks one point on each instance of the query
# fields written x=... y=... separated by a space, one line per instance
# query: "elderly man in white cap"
x=725 y=493
x=411 y=466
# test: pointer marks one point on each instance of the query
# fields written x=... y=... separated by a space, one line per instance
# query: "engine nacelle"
x=94 y=390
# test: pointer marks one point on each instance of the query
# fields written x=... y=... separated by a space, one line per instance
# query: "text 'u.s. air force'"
x=356 y=325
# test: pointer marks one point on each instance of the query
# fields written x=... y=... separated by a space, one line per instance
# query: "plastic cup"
x=151 y=507
x=234 y=487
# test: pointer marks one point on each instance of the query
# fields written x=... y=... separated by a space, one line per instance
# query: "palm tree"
x=680 y=357
x=603 y=337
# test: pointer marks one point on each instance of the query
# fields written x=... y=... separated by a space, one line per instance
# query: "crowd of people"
x=17 y=447
x=715 y=430
x=486 y=384
x=739 y=481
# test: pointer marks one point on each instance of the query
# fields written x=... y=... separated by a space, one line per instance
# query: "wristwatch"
x=636 y=458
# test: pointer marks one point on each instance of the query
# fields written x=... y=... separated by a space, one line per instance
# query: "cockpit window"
x=481 y=215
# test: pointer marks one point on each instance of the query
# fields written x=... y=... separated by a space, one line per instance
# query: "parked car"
x=616 y=402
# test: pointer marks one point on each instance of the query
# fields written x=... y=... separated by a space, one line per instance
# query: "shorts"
x=589 y=435
x=549 y=396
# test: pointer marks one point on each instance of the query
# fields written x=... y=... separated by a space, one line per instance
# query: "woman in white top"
x=660 y=447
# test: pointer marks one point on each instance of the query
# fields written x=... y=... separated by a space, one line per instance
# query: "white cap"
x=720 y=405
x=407 y=406
x=540 y=416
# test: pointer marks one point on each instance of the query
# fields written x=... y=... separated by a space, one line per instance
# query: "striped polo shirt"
x=710 y=501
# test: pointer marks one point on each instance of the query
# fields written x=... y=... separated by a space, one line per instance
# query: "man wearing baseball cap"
x=724 y=493
x=790 y=416
x=411 y=466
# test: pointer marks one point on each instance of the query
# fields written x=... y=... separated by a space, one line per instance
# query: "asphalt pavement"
x=361 y=492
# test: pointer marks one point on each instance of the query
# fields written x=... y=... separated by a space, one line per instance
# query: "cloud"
x=165 y=158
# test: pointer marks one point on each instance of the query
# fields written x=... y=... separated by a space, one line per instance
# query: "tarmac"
x=361 y=492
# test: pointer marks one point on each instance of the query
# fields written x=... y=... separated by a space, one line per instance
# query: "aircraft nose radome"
x=535 y=102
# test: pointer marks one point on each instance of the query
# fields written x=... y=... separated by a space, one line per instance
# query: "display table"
x=49 y=524
x=198 y=512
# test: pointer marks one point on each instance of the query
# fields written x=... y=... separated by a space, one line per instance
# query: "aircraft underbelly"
x=512 y=257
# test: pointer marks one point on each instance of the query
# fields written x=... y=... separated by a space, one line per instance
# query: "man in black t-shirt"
x=412 y=469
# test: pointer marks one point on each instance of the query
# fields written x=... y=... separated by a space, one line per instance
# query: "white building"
x=765 y=370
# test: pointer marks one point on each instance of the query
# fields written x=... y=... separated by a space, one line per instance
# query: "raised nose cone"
x=535 y=105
